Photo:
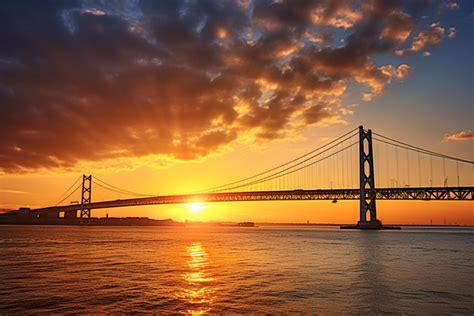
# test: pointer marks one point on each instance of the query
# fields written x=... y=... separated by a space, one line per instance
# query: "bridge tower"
x=86 y=197
x=367 y=182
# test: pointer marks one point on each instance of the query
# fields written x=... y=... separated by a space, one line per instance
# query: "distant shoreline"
x=19 y=218
x=152 y=223
x=330 y=224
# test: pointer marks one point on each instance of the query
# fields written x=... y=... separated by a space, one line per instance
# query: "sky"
x=167 y=97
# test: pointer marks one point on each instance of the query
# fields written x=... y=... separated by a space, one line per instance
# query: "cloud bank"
x=85 y=81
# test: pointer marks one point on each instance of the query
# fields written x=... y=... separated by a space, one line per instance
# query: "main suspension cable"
x=65 y=192
x=422 y=150
x=282 y=173
x=69 y=195
x=284 y=164
x=117 y=189
x=293 y=166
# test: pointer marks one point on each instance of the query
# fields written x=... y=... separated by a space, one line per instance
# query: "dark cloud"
x=85 y=81
x=315 y=113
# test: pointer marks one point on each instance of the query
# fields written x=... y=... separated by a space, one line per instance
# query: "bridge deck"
x=422 y=193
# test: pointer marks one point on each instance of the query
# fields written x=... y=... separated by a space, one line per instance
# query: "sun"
x=196 y=207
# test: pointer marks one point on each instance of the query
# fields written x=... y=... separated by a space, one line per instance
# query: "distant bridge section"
x=425 y=194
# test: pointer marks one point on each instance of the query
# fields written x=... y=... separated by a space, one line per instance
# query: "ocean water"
x=60 y=269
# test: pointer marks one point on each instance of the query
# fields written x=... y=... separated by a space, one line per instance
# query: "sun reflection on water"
x=198 y=291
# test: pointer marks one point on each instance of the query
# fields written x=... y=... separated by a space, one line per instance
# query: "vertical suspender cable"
x=336 y=161
x=331 y=175
x=319 y=176
x=339 y=171
x=327 y=170
x=348 y=176
x=350 y=167
x=325 y=173
x=431 y=170
x=334 y=169
x=377 y=161
x=290 y=181
x=324 y=170
x=408 y=168
x=445 y=180
x=311 y=177
x=297 y=180
x=457 y=171
x=396 y=158
x=419 y=170
x=387 y=162
x=343 y=174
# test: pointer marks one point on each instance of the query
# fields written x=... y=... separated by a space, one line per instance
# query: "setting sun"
x=196 y=207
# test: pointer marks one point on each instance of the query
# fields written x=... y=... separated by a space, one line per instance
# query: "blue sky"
x=437 y=98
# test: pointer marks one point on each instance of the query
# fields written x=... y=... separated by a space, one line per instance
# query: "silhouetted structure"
x=366 y=193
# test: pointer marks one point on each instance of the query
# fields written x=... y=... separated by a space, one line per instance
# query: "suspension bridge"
x=346 y=168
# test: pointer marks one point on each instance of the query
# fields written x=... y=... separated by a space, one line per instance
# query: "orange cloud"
x=432 y=36
x=399 y=26
x=183 y=79
x=459 y=136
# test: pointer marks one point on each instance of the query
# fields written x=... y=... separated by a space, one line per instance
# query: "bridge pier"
x=367 y=185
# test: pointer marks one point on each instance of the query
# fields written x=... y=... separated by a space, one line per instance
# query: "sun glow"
x=196 y=207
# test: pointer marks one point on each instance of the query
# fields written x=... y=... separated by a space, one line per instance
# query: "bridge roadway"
x=408 y=193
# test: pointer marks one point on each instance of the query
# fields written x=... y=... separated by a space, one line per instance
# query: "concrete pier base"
x=373 y=225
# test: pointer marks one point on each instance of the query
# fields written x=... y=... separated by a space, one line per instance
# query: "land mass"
x=25 y=217
x=17 y=217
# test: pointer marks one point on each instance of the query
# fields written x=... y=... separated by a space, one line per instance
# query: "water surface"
x=60 y=269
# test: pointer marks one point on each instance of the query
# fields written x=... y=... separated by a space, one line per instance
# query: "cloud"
x=432 y=36
x=399 y=26
x=462 y=135
x=84 y=82
x=451 y=32
x=449 y=5
x=12 y=191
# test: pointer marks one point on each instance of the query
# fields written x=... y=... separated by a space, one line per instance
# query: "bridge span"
x=423 y=193
x=325 y=173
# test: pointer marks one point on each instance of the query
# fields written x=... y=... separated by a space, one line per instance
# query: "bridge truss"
x=425 y=194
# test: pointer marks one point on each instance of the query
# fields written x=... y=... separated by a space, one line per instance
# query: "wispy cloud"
x=448 y=5
x=459 y=136
x=13 y=191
